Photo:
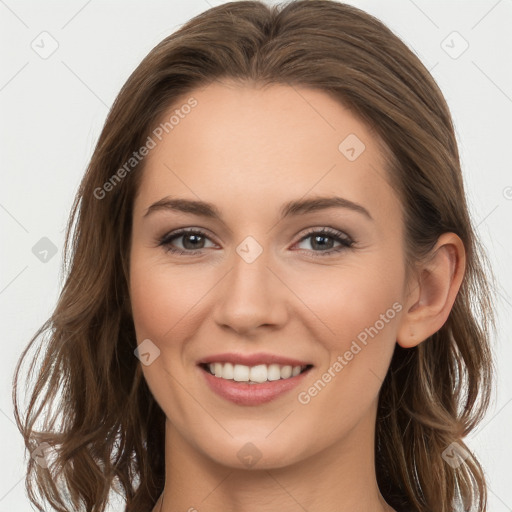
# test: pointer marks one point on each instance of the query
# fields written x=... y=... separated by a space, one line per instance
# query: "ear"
x=432 y=291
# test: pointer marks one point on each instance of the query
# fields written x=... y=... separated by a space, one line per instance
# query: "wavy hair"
x=88 y=399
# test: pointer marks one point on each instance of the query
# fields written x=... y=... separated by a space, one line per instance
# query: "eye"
x=324 y=239
x=192 y=240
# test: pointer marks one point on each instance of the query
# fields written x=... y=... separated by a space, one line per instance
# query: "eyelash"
x=337 y=236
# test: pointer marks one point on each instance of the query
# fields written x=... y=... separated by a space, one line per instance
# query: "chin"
x=255 y=452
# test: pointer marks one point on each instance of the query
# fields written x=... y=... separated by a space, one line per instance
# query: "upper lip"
x=252 y=359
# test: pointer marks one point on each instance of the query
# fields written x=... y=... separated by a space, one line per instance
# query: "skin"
x=248 y=150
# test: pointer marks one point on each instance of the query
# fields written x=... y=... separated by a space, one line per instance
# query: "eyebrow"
x=291 y=208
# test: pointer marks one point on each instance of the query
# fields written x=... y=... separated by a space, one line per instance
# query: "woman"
x=271 y=277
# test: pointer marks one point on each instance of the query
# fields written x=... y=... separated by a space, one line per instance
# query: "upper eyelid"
x=177 y=233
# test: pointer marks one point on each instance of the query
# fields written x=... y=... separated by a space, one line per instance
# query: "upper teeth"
x=259 y=373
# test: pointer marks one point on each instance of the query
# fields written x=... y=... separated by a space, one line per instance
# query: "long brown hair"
x=89 y=399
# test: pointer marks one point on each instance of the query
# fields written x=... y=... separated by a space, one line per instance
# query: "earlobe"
x=433 y=293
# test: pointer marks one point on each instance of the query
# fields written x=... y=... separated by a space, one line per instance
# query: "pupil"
x=187 y=241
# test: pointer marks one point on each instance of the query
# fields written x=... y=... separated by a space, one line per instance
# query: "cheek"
x=346 y=387
x=357 y=310
x=162 y=298
x=347 y=302
x=162 y=306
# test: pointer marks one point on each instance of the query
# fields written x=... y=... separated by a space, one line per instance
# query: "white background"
x=52 y=111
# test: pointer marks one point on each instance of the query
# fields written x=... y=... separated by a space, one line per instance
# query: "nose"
x=251 y=296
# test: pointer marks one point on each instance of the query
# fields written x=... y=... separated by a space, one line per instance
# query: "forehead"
x=242 y=144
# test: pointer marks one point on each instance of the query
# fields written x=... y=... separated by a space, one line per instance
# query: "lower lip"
x=243 y=393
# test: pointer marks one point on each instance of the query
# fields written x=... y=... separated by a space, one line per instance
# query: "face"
x=255 y=290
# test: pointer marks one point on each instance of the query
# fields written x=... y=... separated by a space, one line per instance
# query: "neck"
x=342 y=478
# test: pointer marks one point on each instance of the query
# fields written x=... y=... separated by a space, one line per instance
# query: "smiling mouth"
x=257 y=374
